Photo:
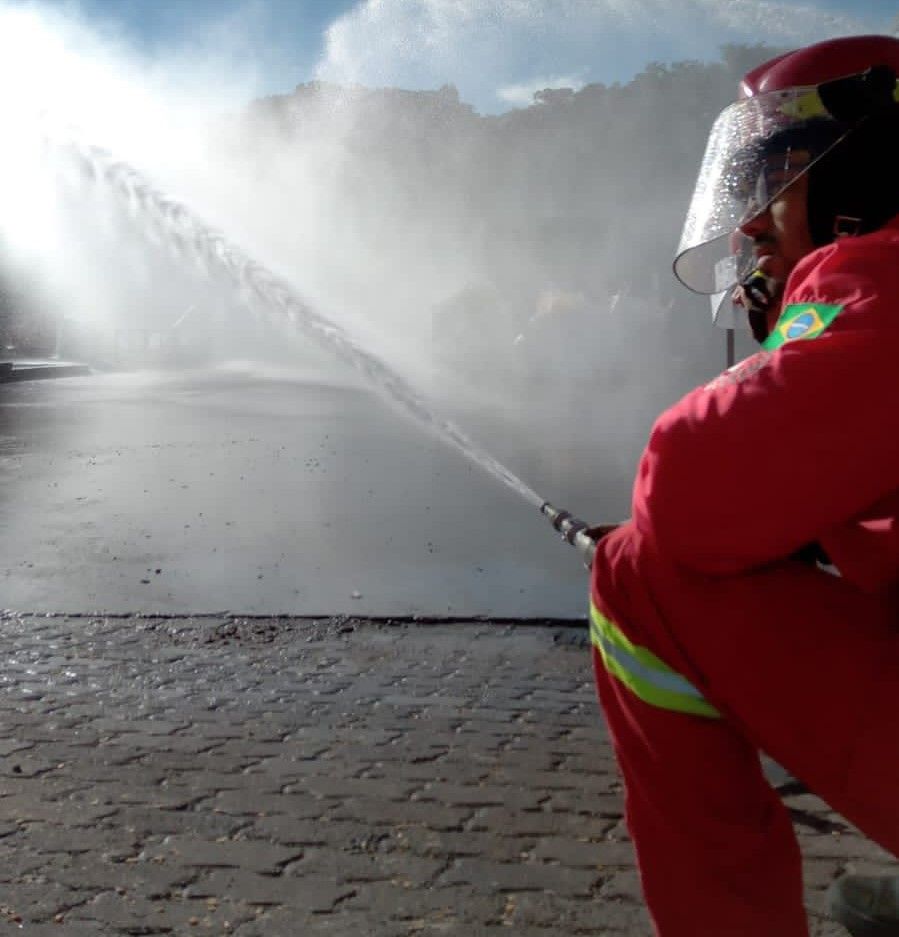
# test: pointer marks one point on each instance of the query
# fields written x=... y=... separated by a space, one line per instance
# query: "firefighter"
x=713 y=636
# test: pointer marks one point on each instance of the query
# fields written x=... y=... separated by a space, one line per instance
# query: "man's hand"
x=599 y=531
x=596 y=533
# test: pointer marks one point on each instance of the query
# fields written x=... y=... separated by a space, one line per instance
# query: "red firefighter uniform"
x=711 y=644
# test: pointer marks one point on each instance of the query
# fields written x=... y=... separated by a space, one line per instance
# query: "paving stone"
x=128 y=915
x=19 y=861
x=620 y=885
x=56 y=788
x=223 y=853
x=292 y=831
x=21 y=808
x=132 y=876
x=72 y=929
x=489 y=877
x=569 y=852
x=170 y=764
x=496 y=844
x=559 y=916
x=34 y=899
x=129 y=726
x=535 y=823
x=819 y=873
x=265 y=890
x=283 y=922
x=33 y=759
x=149 y=821
x=9 y=746
x=252 y=803
x=835 y=845
x=389 y=789
x=202 y=781
x=378 y=812
x=461 y=904
x=387 y=780
x=481 y=795
x=249 y=750
x=368 y=861
x=614 y=854
x=53 y=838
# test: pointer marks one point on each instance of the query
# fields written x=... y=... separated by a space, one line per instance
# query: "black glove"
x=812 y=553
x=757 y=293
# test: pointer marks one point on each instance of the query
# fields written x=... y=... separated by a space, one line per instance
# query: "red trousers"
x=801 y=665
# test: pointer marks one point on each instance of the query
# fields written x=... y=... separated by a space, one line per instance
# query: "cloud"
x=494 y=50
x=522 y=95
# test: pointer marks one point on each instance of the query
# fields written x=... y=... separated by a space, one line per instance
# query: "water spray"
x=210 y=249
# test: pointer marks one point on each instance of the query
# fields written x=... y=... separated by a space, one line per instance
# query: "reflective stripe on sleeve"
x=644 y=674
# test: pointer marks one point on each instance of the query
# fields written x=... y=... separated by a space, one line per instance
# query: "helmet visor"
x=757 y=147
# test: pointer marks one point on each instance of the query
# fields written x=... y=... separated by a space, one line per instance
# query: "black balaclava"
x=854 y=187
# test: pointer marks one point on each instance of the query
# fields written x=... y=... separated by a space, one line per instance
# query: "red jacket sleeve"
x=791 y=443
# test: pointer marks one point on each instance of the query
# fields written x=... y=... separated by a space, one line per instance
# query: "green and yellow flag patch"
x=801 y=321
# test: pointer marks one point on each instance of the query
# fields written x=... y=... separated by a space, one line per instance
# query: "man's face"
x=780 y=234
x=780 y=238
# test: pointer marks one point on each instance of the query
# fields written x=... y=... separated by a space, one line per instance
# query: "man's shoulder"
x=851 y=271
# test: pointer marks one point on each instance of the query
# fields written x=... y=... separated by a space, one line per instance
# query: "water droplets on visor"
x=756 y=148
x=776 y=171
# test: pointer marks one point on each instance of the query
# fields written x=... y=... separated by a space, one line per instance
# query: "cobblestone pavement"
x=288 y=777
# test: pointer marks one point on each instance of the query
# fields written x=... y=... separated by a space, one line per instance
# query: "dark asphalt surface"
x=227 y=489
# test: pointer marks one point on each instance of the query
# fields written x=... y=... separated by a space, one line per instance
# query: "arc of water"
x=214 y=250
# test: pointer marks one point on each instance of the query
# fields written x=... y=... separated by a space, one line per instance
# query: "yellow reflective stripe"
x=644 y=674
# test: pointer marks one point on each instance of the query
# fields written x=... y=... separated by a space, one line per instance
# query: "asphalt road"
x=232 y=489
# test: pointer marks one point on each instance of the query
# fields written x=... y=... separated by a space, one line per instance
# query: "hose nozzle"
x=572 y=529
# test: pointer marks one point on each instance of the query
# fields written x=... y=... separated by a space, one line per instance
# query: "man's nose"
x=754 y=221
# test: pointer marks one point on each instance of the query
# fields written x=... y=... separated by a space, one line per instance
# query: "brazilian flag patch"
x=801 y=321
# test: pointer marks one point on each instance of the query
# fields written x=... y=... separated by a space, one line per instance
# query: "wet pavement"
x=339 y=776
x=267 y=491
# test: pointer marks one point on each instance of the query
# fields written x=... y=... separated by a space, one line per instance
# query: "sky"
x=496 y=52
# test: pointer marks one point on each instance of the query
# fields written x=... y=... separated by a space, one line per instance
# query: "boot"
x=866 y=905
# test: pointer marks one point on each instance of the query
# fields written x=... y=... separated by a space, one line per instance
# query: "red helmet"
x=828 y=110
x=824 y=61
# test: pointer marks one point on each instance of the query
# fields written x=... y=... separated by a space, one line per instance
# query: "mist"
x=512 y=268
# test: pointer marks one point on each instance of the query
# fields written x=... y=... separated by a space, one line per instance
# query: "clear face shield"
x=757 y=147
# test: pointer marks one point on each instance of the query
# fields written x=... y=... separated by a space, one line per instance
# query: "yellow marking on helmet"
x=804 y=106
x=809 y=104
